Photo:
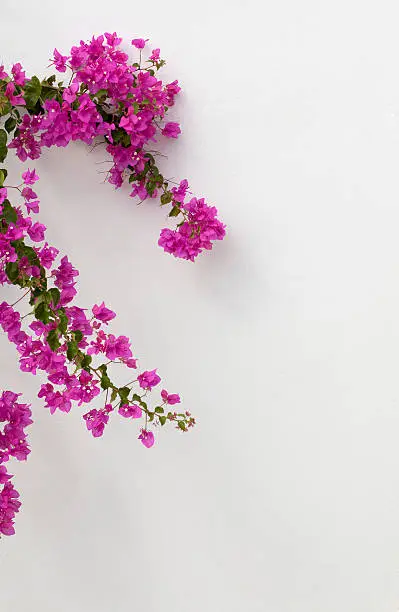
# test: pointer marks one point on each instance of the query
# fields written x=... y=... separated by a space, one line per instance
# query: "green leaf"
x=32 y=92
x=78 y=335
x=63 y=321
x=55 y=295
x=162 y=420
x=42 y=313
x=50 y=80
x=52 y=338
x=182 y=425
x=159 y=410
x=166 y=197
x=136 y=398
x=9 y=213
x=12 y=271
x=174 y=212
x=124 y=393
x=114 y=395
x=3 y=145
x=105 y=382
x=3 y=176
x=101 y=93
x=10 y=124
x=72 y=350
x=5 y=106
x=86 y=361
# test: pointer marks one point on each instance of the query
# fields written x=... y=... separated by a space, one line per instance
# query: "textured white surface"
x=284 y=341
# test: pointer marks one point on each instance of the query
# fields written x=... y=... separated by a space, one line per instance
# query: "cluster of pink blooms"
x=14 y=418
x=197 y=231
x=124 y=103
x=65 y=387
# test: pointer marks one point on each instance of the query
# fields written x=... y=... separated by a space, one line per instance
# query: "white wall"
x=284 y=341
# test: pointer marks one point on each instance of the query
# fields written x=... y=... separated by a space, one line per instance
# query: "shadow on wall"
x=231 y=276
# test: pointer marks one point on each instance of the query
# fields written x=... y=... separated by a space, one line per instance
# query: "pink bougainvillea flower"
x=154 y=57
x=171 y=129
x=18 y=74
x=147 y=438
x=30 y=177
x=130 y=411
x=17 y=100
x=148 y=379
x=102 y=313
x=139 y=43
x=96 y=420
x=69 y=94
x=3 y=194
x=60 y=61
x=171 y=399
x=36 y=232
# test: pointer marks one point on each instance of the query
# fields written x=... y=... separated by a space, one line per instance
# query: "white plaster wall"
x=284 y=341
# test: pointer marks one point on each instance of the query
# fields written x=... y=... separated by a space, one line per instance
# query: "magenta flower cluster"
x=14 y=419
x=122 y=105
x=125 y=104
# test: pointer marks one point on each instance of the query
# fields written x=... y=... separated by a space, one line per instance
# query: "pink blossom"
x=139 y=43
x=18 y=74
x=148 y=379
x=36 y=232
x=171 y=129
x=154 y=57
x=60 y=61
x=96 y=421
x=30 y=177
x=3 y=194
x=130 y=411
x=116 y=347
x=171 y=399
x=17 y=100
x=102 y=313
x=69 y=94
x=147 y=438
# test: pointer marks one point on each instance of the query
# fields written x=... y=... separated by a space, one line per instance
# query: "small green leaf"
x=3 y=176
x=55 y=295
x=159 y=410
x=9 y=213
x=101 y=93
x=52 y=338
x=105 y=382
x=174 y=212
x=10 y=124
x=72 y=350
x=42 y=313
x=114 y=395
x=12 y=271
x=162 y=420
x=63 y=321
x=124 y=393
x=3 y=145
x=166 y=197
x=78 y=335
x=182 y=425
x=86 y=361
x=136 y=398
x=32 y=91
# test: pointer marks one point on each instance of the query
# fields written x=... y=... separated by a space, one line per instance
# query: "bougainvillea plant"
x=106 y=98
